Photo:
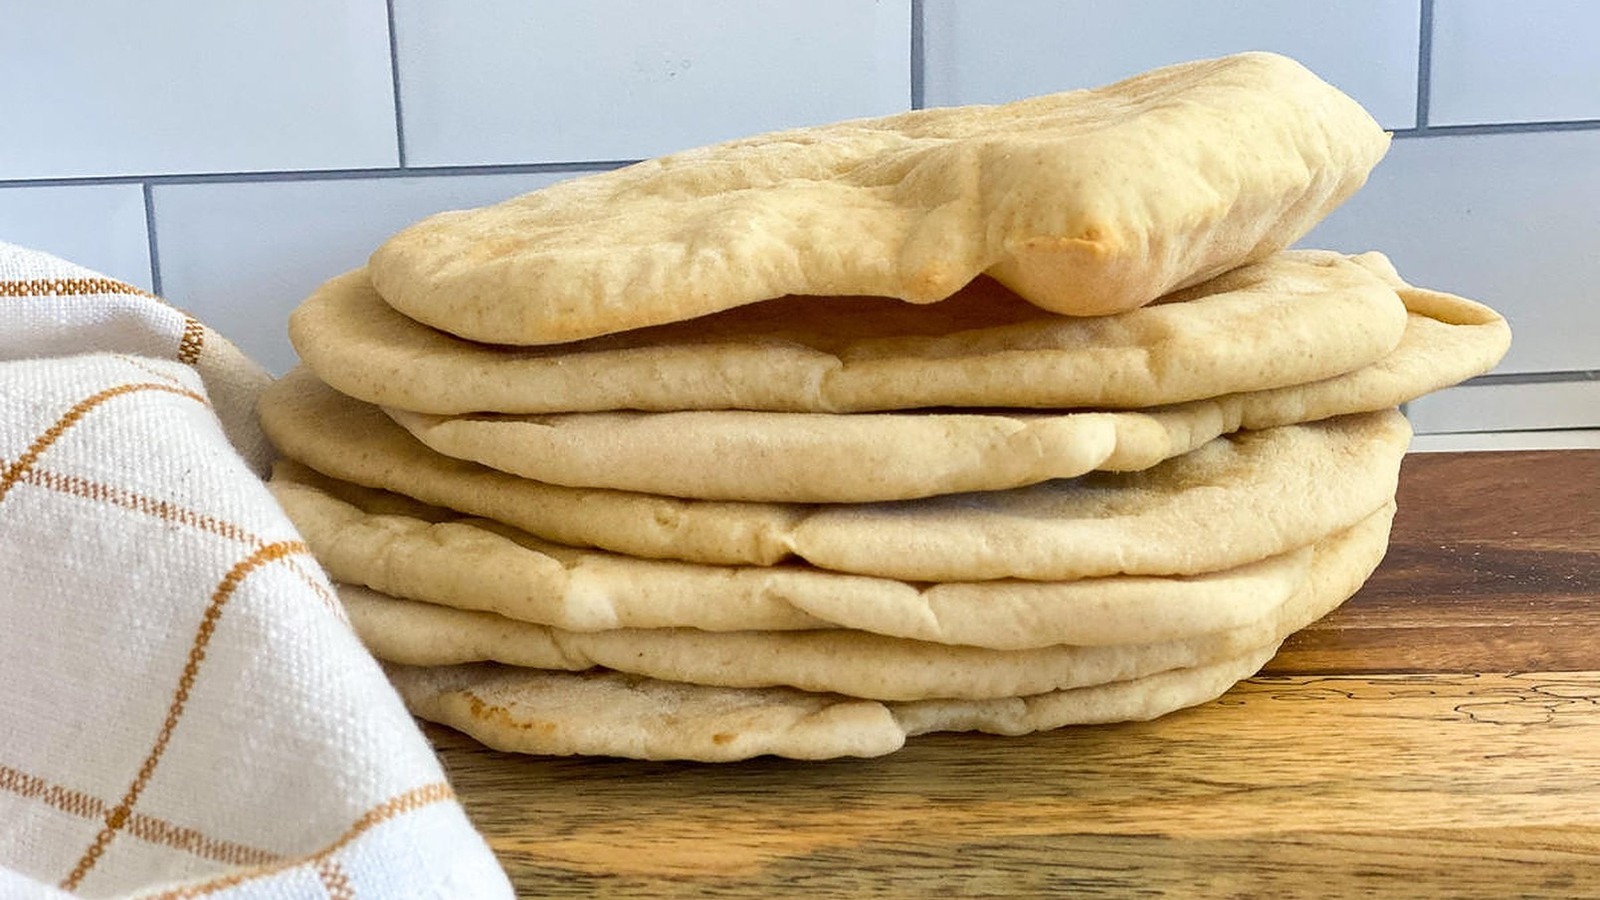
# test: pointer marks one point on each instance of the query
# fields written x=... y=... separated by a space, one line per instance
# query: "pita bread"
x=845 y=662
x=868 y=457
x=353 y=441
x=1239 y=499
x=1447 y=340
x=872 y=457
x=1086 y=203
x=842 y=661
x=367 y=537
x=611 y=714
x=1292 y=318
x=784 y=457
x=371 y=538
x=1140 y=699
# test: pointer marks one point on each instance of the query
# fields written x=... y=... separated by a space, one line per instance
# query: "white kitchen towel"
x=184 y=711
x=50 y=307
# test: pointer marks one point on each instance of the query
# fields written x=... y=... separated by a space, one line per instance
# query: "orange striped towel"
x=184 y=711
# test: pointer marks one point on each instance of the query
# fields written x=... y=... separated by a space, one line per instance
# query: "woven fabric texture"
x=184 y=710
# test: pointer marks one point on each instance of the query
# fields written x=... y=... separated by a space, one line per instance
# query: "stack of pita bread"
x=985 y=418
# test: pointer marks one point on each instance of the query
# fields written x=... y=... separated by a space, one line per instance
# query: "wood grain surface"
x=1438 y=736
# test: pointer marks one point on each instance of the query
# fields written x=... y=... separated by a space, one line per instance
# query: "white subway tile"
x=1508 y=407
x=1004 y=49
x=1531 y=61
x=102 y=87
x=99 y=227
x=241 y=255
x=1506 y=219
x=503 y=81
x=1507 y=440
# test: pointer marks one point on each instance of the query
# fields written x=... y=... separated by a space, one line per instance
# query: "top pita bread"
x=1086 y=203
x=1292 y=318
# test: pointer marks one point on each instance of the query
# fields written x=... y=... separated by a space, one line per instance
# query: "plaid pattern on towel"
x=184 y=711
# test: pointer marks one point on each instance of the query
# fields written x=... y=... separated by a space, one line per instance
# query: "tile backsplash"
x=1530 y=61
x=1000 y=50
x=233 y=155
x=519 y=82
x=164 y=87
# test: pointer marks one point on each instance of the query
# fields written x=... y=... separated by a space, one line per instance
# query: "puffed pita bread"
x=848 y=662
x=1087 y=203
x=402 y=548
x=611 y=714
x=1239 y=499
x=1294 y=317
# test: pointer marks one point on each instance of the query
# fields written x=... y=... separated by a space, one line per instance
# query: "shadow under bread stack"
x=984 y=418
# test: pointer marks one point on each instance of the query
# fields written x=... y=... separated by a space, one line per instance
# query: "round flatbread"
x=1086 y=203
x=1236 y=500
x=783 y=457
x=869 y=457
x=402 y=548
x=849 y=662
x=1291 y=318
x=610 y=714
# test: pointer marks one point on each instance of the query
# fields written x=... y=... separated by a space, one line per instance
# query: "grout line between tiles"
x=1575 y=375
x=575 y=166
x=918 y=56
x=150 y=237
x=394 y=77
x=1489 y=429
x=322 y=174
x=1441 y=131
x=1424 y=64
x=578 y=166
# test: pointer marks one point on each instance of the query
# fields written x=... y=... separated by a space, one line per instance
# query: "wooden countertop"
x=1437 y=736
